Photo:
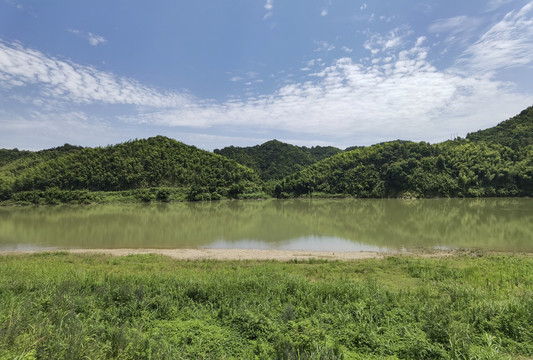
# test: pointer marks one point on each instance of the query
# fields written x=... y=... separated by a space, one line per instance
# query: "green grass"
x=65 y=306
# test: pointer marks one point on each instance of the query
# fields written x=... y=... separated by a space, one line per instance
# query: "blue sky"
x=241 y=72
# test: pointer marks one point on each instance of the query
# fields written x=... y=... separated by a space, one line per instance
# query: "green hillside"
x=275 y=159
x=493 y=162
x=10 y=155
x=140 y=164
x=13 y=159
x=406 y=169
x=516 y=133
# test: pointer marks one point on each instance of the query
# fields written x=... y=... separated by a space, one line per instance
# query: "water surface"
x=325 y=225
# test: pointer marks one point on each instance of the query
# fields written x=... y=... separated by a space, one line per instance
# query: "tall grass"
x=65 y=306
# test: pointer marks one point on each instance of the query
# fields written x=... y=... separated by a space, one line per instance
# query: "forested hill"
x=406 y=169
x=153 y=162
x=493 y=162
x=8 y=156
x=516 y=133
x=275 y=159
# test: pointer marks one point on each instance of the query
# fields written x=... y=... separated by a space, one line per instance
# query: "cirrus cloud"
x=508 y=43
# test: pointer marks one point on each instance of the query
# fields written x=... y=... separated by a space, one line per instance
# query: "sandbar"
x=253 y=254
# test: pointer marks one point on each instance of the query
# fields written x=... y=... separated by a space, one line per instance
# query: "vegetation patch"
x=496 y=162
x=59 y=305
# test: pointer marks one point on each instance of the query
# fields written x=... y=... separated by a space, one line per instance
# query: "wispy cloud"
x=17 y=5
x=57 y=78
x=496 y=4
x=324 y=46
x=507 y=44
x=458 y=29
x=394 y=39
x=269 y=6
x=93 y=39
x=251 y=77
x=454 y=24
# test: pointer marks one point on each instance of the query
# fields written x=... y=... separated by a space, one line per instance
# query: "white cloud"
x=61 y=79
x=459 y=29
x=363 y=7
x=509 y=43
x=347 y=49
x=324 y=46
x=96 y=40
x=449 y=25
x=24 y=9
x=399 y=95
x=269 y=5
x=93 y=39
x=394 y=39
x=324 y=12
x=386 y=18
x=45 y=129
x=405 y=98
x=250 y=75
x=495 y=4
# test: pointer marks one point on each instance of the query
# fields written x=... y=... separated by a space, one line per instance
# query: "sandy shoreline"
x=249 y=254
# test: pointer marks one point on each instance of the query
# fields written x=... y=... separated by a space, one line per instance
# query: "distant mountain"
x=153 y=162
x=275 y=159
x=516 y=133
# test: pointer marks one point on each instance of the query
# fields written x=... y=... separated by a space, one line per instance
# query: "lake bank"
x=253 y=254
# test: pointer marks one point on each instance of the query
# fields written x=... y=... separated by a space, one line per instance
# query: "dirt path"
x=253 y=254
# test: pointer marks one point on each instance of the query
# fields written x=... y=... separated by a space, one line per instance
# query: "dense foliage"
x=9 y=156
x=275 y=160
x=401 y=168
x=516 y=133
x=493 y=162
x=60 y=306
x=139 y=164
x=14 y=162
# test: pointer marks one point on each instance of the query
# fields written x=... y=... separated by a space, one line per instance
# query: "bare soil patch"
x=256 y=254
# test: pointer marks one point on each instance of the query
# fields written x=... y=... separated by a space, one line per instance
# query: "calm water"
x=329 y=225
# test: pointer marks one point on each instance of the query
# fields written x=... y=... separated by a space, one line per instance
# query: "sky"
x=241 y=72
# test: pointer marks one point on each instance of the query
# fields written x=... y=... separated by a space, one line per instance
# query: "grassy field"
x=65 y=306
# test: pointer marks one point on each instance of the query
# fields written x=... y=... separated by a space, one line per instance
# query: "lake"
x=321 y=224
